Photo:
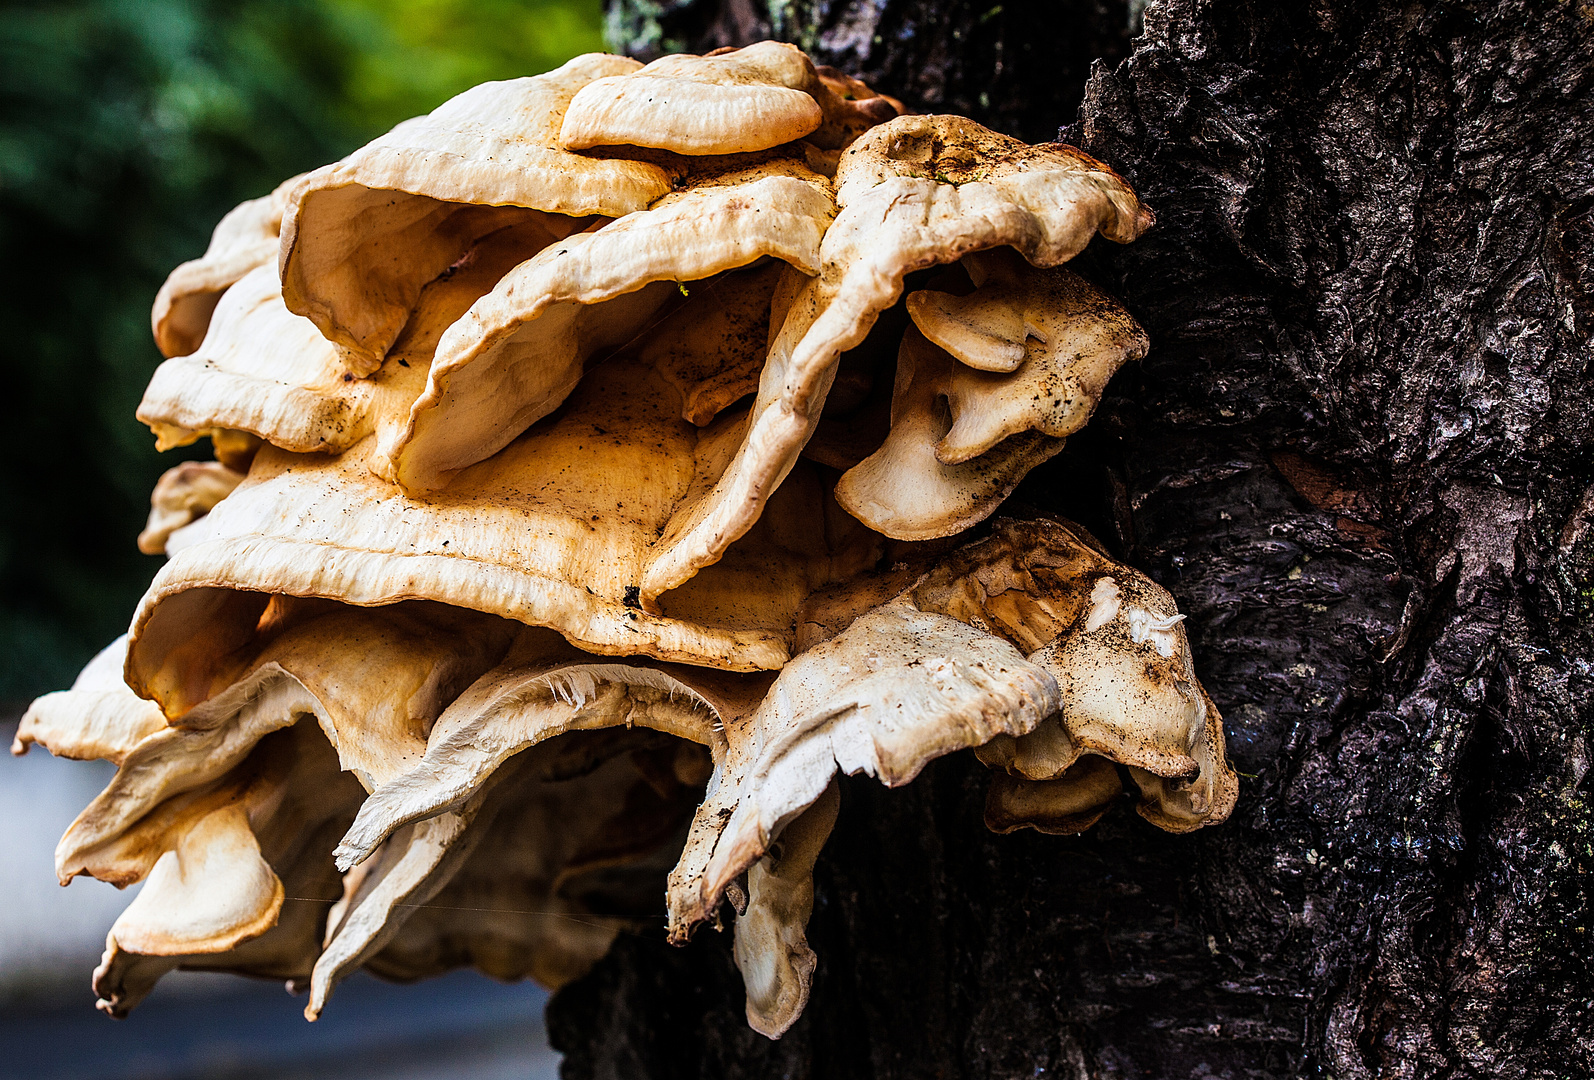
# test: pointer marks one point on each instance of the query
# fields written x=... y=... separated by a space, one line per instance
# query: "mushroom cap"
x=99 y=718
x=770 y=945
x=412 y=661
x=286 y=951
x=921 y=191
x=210 y=892
x=915 y=192
x=520 y=350
x=455 y=888
x=362 y=236
x=1113 y=638
x=418 y=864
x=906 y=489
x=1050 y=198
x=729 y=101
x=1115 y=642
x=1019 y=315
x=1062 y=806
x=261 y=369
x=541 y=697
x=543 y=689
x=544 y=694
x=745 y=99
x=1050 y=650
x=988 y=384
x=265 y=373
x=523 y=883
x=1074 y=338
x=552 y=531
x=247 y=237
x=1181 y=804
x=223 y=880
x=182 y=495
x=476 y=342
x=895 y=690
x=375 y=681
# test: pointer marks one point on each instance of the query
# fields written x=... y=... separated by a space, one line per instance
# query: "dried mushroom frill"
x=588 y=451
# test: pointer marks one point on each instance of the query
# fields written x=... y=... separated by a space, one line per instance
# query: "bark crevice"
x=1359 y=453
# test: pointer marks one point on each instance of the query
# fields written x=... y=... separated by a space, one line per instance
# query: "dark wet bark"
x=1360 y=455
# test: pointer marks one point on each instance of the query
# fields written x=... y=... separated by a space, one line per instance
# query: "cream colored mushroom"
x=268 y=372
x=770 y=947
x=362 y=237
x=922 y=191
x=1067 y=804
x=895 y=690
x=544 y=694
x=914 y=192
x=1034 y=349
x=552 y=531
x=730 y=101
x=210 y=892
x=261 y=369
x=521 y=405
x=99 y=718
x=373 y=710
x=374 y=680
x=285 y=952
x=246 y=238
x=1073 y=799
x=905 y=489
x=236 y=871
x=520 y=350
x=506 y=880
x=1072 y=339
x=545 y=688
x=1073 y=653
x=1115 y=641
x=184 y=494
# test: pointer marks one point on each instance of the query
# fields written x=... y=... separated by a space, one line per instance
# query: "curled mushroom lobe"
x=606 y=463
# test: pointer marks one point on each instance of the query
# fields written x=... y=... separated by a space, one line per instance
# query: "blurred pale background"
x=127 y=128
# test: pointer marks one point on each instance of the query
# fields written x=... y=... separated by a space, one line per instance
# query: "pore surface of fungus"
x=588 y=496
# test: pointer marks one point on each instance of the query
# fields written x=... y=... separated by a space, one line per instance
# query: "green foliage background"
x=127 y=128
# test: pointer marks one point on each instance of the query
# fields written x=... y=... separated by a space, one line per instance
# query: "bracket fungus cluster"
x=593 y=459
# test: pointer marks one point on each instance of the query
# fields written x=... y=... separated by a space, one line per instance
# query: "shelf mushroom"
x=987 y=387
x=730 y=101
x=521 y=575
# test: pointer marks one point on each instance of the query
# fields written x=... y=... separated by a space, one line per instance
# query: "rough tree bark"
x=1360 y=455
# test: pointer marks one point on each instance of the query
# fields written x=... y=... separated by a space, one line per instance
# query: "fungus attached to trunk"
x=512 y=585
x=731 y=101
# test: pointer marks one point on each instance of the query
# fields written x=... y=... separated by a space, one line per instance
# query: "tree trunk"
x=1359 y=454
